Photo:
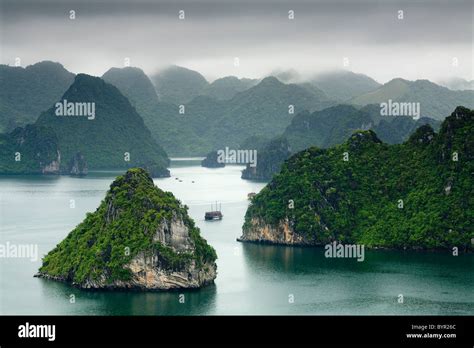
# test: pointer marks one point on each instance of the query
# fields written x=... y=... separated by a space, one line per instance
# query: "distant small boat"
x=213 y=214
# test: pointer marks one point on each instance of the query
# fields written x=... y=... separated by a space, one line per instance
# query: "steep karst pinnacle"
x=140 y=237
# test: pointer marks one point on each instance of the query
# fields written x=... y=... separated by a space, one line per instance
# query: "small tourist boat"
x=214 y=214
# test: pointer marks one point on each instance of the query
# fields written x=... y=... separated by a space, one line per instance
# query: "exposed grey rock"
x=78 y=165
x=283 y=233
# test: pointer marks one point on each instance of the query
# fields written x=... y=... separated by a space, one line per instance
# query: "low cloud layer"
x=424 y=44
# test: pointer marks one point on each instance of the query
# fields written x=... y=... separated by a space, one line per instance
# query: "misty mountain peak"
x=397 y=82
x=131 y=70
x=134 y=84
x=344 y=84
x=175 y=71
x=270 y=81
x=178 y=85
x=87 y=87
x=46 y=64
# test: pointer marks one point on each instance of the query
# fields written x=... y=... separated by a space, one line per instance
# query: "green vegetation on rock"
x=269 y=160
x=333 y=126
x=227 y=87
x=169 y=128
x=435 y=101
x=178 y=85
x=212 y=116
x=116 y=138
x=343 y=85
x=26 y=92
x=419 y=194
x=136 y=219
x=29 y=150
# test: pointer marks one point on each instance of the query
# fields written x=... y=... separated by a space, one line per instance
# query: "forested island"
x=415 y=195
x=211 y=161
x=140 y=237
x=329 y=127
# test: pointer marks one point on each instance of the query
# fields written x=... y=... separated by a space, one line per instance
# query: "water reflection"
x=185 y=162
x=297 y=259
x=183 y=302
x=433 y=283
x=252 y=278
x=274 y=258
x=312 y=260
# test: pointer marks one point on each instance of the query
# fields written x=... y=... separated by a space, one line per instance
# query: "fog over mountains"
x=26 y=92
x=188 y=115
x=428 y=40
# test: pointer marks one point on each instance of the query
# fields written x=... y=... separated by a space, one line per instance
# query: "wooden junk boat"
x=213 y=214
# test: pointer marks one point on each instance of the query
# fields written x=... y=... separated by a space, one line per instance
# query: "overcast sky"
x=424 y=44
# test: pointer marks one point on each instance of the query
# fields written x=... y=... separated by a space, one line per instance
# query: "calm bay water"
x=252 y=279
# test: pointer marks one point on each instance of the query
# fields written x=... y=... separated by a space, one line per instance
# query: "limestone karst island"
x=140 y=237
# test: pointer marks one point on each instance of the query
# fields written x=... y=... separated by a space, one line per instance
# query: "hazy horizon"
x=368 y=35
x=300 y=77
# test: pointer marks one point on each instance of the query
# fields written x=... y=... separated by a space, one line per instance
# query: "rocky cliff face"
x=368 y=192
x=269 y=160
x=52 y=167
x=147 y=275
x=78 y=165
x=139 y=238
x=149 y=271
x=257 y=230
x=30 y=150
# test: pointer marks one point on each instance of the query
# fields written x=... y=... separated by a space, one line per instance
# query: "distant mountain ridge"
x=167 y=126
x=26 y=92
x=226 y=111
x=134 y=84
x=264 y=110
x=435 y=101
x=116 y=138
x=343 y=85
x=457 y=84
x=211 y=121
x=330 y=127
x=206 y=123
x=227 y=87
x=178 y=85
